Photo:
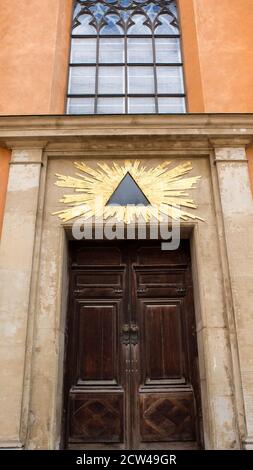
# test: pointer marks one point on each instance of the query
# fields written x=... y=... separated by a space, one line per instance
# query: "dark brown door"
x=131 y=363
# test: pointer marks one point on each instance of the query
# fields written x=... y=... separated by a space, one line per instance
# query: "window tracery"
x=125 y=58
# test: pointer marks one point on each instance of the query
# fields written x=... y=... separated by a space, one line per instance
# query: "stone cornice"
x=214 y=127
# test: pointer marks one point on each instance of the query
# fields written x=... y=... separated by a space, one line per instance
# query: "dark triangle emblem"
x=128 y=193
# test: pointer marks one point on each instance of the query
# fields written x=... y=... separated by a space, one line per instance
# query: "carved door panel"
x=96 y=382
x=166 y=386
x=131 y=376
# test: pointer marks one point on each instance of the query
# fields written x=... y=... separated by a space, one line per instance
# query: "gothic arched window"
x=125 y=58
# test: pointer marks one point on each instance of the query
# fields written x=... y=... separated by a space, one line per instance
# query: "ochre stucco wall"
x=225 y=38
x=34 y=53
x=217 y=50
x=192 y=74
x=217 y=44
x=4 y=171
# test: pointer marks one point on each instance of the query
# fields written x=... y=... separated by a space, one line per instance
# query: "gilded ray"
x=165 y=186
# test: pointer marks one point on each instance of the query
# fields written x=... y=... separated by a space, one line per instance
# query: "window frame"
x=96 y=96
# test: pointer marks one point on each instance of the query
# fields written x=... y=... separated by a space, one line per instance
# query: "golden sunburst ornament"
x=163 y=187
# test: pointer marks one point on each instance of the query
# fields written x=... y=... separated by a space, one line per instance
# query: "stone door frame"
x=33 y=314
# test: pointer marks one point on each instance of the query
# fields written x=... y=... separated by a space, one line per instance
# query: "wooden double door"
x=131 y=361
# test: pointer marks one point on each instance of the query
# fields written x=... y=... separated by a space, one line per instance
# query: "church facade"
x=117 y=112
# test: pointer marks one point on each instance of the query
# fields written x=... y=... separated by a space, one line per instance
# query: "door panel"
x=99 y=362
x=159 y=282
x=164 y=357
x=131 y=364
x=96 y=417
x=159 y=278
x=151 y=254
x=97 y=256
x=167 y=417
x=100 y=283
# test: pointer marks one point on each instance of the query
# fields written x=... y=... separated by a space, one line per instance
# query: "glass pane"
x=170 y=80
x=139 y=50
x=82 y=80
x=167 y=50
x=85 y=27
x=141 y=80
x=83 y=51
x=111 y=80
x=173 y=8
x=171 y=105
x=166 y=27
x=80 y=106
x=112 y=26
x=139 y=27
x=111 y=50
x=141 y=105
x=111 y=105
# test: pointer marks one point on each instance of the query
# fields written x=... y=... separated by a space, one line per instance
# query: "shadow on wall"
x=250 y=159
x=5 y=156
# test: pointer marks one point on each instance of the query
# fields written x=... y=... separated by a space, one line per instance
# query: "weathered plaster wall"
x=237 y=208
x=249 y=154
x=16 y=261
x=34 y=54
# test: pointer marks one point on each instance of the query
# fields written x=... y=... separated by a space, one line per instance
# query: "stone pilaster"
x=16 y=258
x=237 y=210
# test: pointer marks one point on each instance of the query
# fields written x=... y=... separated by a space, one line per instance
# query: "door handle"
x=125 y=334
x=130 y=333
x=134 y=333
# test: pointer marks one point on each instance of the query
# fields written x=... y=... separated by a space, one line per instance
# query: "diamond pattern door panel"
x=96 y=418
x=167 y=417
